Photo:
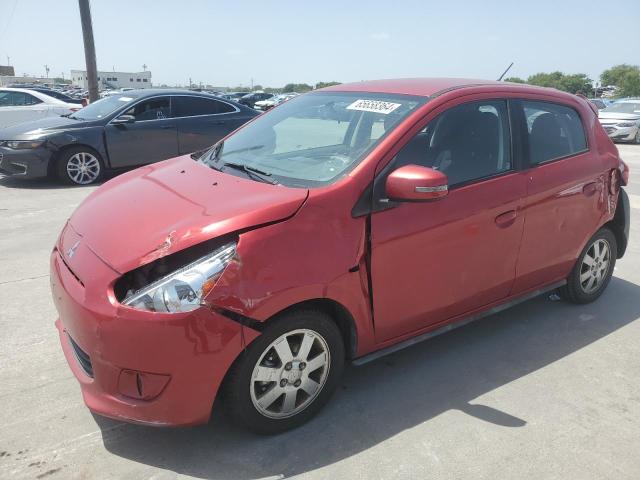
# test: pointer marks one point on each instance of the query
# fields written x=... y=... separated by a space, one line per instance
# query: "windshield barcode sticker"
x=376 y=106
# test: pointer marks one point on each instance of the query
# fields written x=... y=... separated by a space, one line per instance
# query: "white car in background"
x=273 y=101
x=18 y=105
x=621 y=120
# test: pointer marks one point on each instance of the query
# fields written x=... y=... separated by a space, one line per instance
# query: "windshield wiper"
x=252 y=171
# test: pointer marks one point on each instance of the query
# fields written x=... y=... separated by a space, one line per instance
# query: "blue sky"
x=228 y=43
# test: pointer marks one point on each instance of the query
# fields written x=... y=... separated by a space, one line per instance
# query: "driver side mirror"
x=413 y=183
x=123 y=119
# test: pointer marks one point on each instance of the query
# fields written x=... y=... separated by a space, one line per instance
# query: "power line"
x=15 y=4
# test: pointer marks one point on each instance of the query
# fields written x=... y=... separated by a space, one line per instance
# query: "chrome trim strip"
x=440 y=188
x=162 y=95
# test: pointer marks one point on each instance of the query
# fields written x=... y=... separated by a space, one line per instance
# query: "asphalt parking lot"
x=544 y=390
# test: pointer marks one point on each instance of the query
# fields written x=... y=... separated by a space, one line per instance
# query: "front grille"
x=81 y=356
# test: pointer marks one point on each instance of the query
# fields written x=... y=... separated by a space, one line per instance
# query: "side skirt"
x=458 y=323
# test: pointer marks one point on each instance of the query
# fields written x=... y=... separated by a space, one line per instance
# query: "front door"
x=432 y=261
x=152 y=137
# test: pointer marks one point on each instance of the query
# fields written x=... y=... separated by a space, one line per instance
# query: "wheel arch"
x=619 y=225
x=338 y=313
x=61 y=151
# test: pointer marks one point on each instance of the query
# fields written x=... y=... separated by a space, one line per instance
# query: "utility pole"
x=89 y=49
x=46 y=70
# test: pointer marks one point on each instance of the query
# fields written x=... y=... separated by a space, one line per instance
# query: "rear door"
x=565 y=192
x=435 y=260
x=151 y=138
x=202 y=121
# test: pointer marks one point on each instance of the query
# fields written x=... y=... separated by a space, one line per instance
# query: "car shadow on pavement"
x=398 y=392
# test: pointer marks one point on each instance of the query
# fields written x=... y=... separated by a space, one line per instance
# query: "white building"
x=113 y=79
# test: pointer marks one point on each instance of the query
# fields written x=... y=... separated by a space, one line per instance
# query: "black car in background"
x=135 y=128
x=250 y=99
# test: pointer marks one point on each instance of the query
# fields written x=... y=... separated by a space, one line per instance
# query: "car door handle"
x=590 y=188
x=506 y=219
x=167 y=127
x=218 y=122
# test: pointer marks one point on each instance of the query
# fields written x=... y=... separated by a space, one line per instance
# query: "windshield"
x=102 y=108
x=624 y=107
x=314 y=139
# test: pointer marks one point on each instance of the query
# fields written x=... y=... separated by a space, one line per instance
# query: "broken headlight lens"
x=184 y=289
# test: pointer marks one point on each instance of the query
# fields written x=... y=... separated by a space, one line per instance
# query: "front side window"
x=314 y=139
x=467 y=142
x=554 y=131
x=153 y=109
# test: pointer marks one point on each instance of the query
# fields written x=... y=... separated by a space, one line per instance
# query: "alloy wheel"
x=595 y=266
x=290 y=373
x=83 y=168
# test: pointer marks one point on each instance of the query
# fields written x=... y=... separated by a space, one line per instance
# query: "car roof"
x=424 y=87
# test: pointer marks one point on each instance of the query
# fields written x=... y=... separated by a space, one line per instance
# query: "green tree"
x=616 y=74
x=575 y=83
x=326 y=84
x=296 y=87
x=630 y=85
x=515 y=80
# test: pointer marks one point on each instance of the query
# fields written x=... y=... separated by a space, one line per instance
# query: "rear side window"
x=554 y=131
x=17 y=99
x=194 y=106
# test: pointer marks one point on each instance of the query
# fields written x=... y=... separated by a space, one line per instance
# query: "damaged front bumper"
x=137 y=366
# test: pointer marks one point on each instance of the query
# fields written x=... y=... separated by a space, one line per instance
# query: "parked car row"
x=133 y=128
x=269 y=103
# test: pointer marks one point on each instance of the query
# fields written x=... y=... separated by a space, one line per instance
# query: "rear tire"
x=79 y=166
x=287 y=374
x=593 y=269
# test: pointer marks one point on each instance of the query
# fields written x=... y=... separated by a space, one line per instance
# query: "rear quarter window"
x=553 y=131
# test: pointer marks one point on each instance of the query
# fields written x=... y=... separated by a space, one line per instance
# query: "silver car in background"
x=621 y=120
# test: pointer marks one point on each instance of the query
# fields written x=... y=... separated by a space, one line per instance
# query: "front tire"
x=593 y=270
x=79 y=166
x=287 y=374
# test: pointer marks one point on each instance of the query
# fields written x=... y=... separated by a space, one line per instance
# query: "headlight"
x=184 y=289
x=627 y=124
x=22 y=144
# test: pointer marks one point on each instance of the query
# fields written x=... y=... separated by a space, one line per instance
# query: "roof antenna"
x=505 y=72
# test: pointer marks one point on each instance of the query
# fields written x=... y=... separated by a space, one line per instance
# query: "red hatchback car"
x=342 y=225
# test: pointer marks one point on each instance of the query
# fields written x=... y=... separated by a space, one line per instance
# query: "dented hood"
x=162 y=208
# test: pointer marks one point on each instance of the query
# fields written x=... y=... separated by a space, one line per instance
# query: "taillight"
x=73 y=109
